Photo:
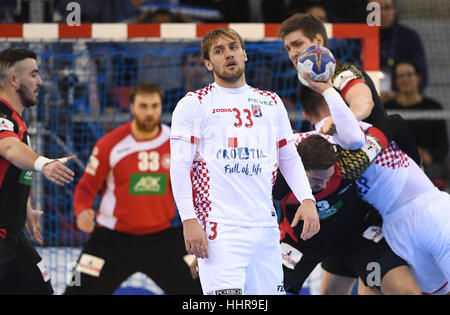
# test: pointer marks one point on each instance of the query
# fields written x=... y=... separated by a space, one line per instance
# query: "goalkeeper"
x=132 y=230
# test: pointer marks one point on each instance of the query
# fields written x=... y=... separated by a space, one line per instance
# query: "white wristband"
x=40 y=162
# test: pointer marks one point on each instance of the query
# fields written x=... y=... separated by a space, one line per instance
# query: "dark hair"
x=311 y=101
x=316 y=153
x=10 y=56
x=144 y=87
x=417 y=69
x=308 y=24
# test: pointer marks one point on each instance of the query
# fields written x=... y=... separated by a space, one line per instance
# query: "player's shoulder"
x=115 y=136
x=199 y=95
x=7 y=119
x=346 y=72
x=343 y=67
x=264 y=97
x=165 y=131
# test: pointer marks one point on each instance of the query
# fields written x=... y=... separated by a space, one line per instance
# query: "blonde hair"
x=213 y=35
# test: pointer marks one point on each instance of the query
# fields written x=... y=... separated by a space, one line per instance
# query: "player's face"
x=146 y=109
x=296 y=42
x=318 y=179
x=388 y=12
x=27 y=81
x=227 y=60
x=407 y=79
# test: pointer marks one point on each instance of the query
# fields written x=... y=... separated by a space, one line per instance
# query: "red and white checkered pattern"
x=200 y=186
x=272 y=95
x=203 y=92
x=392 y=157
x=274 y=174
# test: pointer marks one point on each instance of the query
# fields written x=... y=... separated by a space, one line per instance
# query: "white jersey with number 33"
x=238 y=133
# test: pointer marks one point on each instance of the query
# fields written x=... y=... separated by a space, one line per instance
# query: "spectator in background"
x=397 y=42
x=431 y=135
x=318 y=11
x=103 y=11
x=8 y=11
x=231 y=10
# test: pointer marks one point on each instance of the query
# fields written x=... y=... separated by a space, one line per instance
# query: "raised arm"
x=348 y=131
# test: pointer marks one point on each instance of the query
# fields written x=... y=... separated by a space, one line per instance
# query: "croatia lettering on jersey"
x=137 y=197
x=238 y=133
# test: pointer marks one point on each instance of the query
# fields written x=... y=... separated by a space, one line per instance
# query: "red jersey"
x=134 y=177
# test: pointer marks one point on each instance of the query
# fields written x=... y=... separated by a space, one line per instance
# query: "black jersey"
x=342 y=212
x=14 y=183
x=346 y=75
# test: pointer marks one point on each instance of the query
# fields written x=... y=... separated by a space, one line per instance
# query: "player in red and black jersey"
x=132 y=230
x=22 y=270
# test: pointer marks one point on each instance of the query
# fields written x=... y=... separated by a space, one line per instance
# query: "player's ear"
x=245 y=56
x=318 y=40
x=13 y=79
x=208 y=64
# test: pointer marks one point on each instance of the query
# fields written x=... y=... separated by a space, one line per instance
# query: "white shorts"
x=242 y=260
x=419 y=232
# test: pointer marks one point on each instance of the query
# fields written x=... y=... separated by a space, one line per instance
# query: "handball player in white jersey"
x=233 y=138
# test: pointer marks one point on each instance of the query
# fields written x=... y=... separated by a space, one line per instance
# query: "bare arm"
x=359 y=99
x=20 y=155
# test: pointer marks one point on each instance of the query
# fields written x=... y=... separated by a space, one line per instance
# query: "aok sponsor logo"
x=26 y=177
x=148 y=184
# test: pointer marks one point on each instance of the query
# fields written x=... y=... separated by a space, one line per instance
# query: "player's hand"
x=318 y=86
x=195 y=239
x=57 y=172
x=33 y=225
x=194 y=268
x=329 y=127
x=308 y=213
x=86 y=220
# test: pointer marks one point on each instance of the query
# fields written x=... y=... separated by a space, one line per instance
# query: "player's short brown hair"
x=213 y=35
x=311 y=101
x=308 y=24
x=144 y=87
x=316 y=153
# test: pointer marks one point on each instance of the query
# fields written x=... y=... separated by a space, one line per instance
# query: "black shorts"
x=368 y=261
x=110 y=257
x=22 y=270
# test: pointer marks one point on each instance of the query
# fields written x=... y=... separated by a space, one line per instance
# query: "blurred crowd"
x=160 y=11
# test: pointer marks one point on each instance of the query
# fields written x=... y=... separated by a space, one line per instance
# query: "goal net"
x=87 y=73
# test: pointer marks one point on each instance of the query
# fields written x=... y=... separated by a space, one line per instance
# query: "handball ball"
x=316 y=61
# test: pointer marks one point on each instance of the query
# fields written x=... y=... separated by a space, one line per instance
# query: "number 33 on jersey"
x=135 y=179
